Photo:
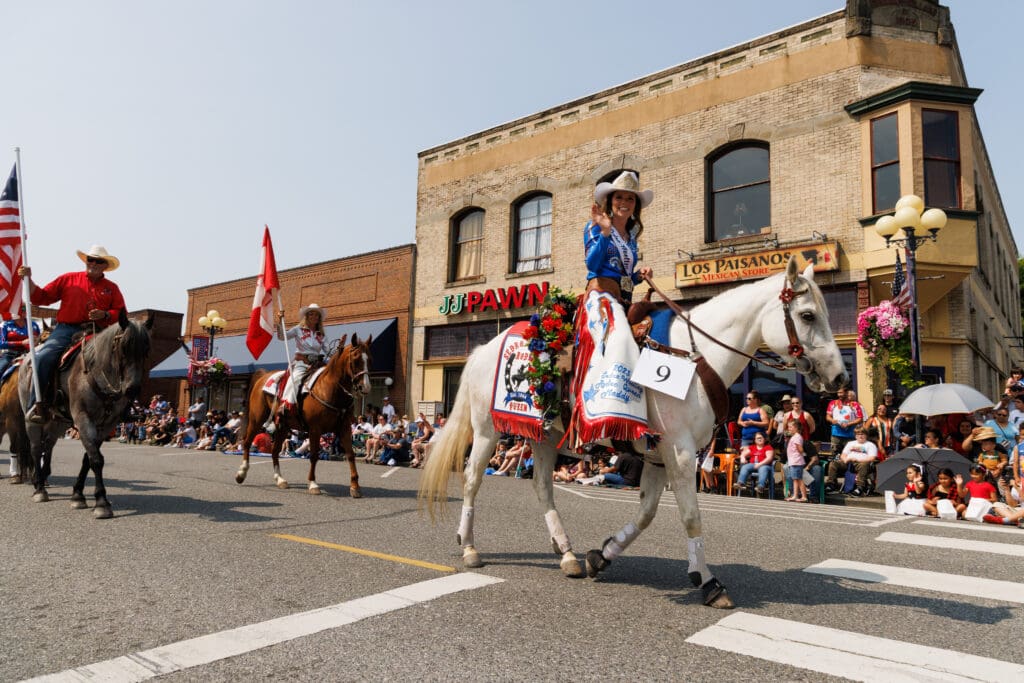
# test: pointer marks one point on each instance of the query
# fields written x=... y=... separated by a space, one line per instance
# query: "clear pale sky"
x=170 y=132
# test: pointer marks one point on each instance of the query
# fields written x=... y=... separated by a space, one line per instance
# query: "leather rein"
x=347 y=391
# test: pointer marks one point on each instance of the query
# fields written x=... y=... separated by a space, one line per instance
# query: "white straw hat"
x=626 y=182
x=312 y=307
x=96 y=251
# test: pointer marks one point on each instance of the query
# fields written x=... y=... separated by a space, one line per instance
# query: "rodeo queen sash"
x=512 y=407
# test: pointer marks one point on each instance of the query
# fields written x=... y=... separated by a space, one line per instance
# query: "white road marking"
x=389 y=473
x=185 y=654
x=974 y=526
x=953 y=543
x=844 y=653
x=947 y=584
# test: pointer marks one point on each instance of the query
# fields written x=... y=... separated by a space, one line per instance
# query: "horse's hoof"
x=103 y=511
x=15 y=479
x=355 y=492
x=41 y=497
x=240 y=477
x=282 y=484
x=596 y=563
x=471 y=560
x=314 y=490
x=715 y=595
x=571 y=568
x=78 y=503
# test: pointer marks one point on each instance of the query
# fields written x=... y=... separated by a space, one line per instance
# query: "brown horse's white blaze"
x=328 y=408
x=746 y=318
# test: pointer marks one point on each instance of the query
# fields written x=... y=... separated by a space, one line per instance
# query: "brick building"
x=792 y=143
x=363 y=294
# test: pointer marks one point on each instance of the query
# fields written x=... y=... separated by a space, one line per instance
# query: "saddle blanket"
x=279 y=383
x=512 y=408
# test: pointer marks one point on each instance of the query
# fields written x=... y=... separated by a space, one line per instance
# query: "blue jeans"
x=48 y=355
x=762 y=474
x=614 y=478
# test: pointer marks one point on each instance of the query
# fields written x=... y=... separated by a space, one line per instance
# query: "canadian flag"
x=261 y=321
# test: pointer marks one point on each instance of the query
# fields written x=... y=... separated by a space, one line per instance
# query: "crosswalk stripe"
x=953 y=543
x=185 y=654
x=842 y=653
x=973 y=526
x=948 y=584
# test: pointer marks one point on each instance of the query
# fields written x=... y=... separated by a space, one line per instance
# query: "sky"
x=171 y=132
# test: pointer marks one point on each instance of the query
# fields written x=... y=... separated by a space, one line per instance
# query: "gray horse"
x=93 y=392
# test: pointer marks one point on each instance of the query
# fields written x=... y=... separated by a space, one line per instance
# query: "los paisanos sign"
x=733 y=267
x=494 y=299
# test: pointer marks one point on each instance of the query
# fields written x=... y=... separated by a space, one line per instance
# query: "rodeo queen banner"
x=512 y=406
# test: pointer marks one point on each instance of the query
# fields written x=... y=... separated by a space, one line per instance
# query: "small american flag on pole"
x=10 y=247
x=900 y=291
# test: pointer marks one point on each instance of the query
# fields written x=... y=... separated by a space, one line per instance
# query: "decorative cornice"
x=914 y=90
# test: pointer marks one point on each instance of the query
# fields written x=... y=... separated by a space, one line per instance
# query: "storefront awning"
x=233 y=350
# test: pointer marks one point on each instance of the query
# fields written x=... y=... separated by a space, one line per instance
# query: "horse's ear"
x=122 y=319
x=808 y=273
x=368 y=341
x=355 y=339
x=341 y=342
x=150 y=319
x=791 y=271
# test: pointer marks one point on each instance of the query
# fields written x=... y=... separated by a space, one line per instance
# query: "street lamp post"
x=212 y=324
x=911 y=216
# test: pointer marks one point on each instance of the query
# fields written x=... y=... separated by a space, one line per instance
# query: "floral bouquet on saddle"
x=550 y=334
x=883 y=331
x=210 y=371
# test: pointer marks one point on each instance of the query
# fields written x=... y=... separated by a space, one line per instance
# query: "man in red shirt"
x=89 y=301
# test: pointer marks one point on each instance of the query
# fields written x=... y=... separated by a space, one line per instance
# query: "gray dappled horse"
x=99 y=384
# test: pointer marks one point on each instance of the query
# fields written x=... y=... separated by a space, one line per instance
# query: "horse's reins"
x=796 y=349
x=347 y=391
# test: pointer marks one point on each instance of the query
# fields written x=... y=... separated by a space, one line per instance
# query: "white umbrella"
x=943 y=399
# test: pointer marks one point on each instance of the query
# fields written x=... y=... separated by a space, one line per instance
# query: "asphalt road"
x=191 y=553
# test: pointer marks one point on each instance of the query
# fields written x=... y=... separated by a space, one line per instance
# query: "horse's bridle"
x=345 y=390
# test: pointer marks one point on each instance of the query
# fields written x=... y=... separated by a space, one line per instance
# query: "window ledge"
x=742 y=239
x=479 y=279
x=528 y=273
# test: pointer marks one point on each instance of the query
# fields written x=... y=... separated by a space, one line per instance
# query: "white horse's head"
x=808 y=342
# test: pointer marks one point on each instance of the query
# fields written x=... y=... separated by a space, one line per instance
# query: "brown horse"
x=12 y=423
x=328 y=408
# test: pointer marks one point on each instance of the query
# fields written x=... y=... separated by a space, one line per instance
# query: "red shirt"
x=980 y=489
x=78 y=295
x=756 y=455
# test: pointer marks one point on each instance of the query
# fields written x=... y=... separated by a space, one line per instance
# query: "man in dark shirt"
x=624 y=469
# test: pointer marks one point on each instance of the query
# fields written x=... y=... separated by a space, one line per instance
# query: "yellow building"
x=793 y=143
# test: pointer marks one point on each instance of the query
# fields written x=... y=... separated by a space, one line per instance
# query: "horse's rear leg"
x=652 y=484
x=346 y=448
x=474 y=474
x=543 y=485
x=41 y=454
x=314 y=457
x=78 y=490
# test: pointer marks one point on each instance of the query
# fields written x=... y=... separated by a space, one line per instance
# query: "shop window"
x=467 y=245
x=739 y=191
x=532 y=234
x=885 y=163
x=457 y=341
x=941 y=143
x=842 y=310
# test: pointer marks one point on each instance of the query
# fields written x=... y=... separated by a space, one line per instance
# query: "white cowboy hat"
x=96 y=251
x=312 y=307
x=627 y=182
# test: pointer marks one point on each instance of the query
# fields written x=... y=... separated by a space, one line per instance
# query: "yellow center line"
x=368 y=553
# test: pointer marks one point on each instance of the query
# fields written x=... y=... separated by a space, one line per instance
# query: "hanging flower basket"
x=212 y=371
x=549 y=333
x=884 y=333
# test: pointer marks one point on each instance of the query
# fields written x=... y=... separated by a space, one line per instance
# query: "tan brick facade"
x=788 y=90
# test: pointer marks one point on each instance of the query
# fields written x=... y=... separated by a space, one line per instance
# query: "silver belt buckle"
x=626 y=284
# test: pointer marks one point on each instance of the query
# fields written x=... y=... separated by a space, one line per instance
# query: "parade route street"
x=197 y=578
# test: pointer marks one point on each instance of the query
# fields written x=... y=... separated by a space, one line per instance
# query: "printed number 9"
x=663 y=373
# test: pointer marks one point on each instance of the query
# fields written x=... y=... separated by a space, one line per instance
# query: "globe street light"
x=910 y=216
x=212 y=323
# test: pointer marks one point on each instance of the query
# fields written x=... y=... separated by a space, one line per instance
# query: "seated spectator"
x=985 y=450
x=375 y=442
x=184 y=437
x=1007 y=514
x=515 y=456
x=421 y=450
x=955 y=441
x=1006 y=433
x=915 y=486
x=944 y=489
x=623 y=469
x=262 y=443
x=395 y=449
x=203 y=438
x=977 y=487
x=424 y=432
x=498 y=458
x=932 y=439
x=861 y=454
x=758 y=457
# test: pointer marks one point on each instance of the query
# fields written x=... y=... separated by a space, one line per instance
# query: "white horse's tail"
x=447 y=453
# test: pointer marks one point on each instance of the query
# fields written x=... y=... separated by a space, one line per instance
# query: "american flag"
x=10 y=248
x=900 y=290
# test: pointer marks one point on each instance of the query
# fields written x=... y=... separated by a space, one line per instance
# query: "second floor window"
x=941 y=142
x=532 y=239
x=739 y=189
x=885 y=163
x=468 y=245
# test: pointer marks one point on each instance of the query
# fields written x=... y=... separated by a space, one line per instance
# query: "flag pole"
x=284 y=333
x=26 y=284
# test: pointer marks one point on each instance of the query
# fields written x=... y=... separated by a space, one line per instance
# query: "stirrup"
x=38 y=413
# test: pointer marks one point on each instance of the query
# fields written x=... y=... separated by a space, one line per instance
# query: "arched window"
x=531 y=239
x=739 y=191
x=467 y=244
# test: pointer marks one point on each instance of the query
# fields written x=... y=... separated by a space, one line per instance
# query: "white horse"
x=744 y=318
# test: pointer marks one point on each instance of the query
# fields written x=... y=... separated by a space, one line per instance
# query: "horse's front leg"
x=41 y=450
x=78 y=490
x=652 y=484
x=350 y=454
x=275 y=448
x=682 y=469
x=543 y=467
x=88 y=434
x=314 y=457
x=474 y=475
